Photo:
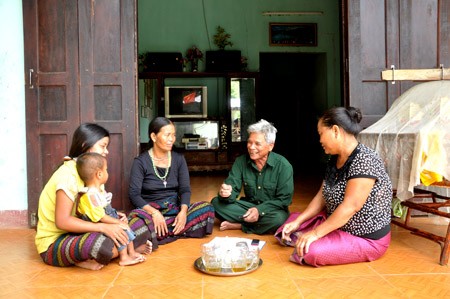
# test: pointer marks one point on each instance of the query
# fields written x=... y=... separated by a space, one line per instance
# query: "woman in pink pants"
x=348 y=220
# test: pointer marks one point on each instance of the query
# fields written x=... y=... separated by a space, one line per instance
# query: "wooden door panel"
x=418 y=33
x=107 y=103
x=52 y=103
x=444 y=33
x=392 y=33
x=108 y=75
x=405 y=34
x=54 y=146
x=51 y=43
x=54 y=16
x=107 y=37
x=418 y=39
x=116 y=180
x=366 y=55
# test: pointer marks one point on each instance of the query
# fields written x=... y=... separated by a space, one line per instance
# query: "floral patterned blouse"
x=375 y=215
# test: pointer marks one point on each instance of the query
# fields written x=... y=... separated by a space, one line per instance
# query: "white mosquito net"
x=413 y=138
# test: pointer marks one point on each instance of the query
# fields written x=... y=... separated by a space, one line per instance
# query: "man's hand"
x=252 y=215
x=225 y=190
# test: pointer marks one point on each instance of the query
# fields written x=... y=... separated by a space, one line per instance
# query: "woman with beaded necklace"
x=160 y=189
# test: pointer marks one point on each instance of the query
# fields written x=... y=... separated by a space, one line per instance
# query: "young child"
x=95 y=204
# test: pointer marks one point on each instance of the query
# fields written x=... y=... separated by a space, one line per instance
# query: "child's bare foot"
x=129 y=260
x=137 y=256
x=90 y=265
x=146 y=248
x=225 y=225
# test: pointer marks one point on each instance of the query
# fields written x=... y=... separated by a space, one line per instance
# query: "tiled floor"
x=409 y=269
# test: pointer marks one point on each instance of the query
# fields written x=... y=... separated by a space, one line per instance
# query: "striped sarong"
x=70 y=249
x=199 y=223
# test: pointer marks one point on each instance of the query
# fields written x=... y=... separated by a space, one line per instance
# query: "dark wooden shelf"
x=155 y=75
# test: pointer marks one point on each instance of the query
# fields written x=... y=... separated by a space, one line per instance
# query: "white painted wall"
x=13 y=171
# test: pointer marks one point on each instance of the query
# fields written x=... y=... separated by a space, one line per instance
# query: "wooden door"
x=377 y=34
x=80 y=65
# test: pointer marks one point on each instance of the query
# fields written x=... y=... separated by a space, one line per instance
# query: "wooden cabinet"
x=210 y=160
x=231 y=105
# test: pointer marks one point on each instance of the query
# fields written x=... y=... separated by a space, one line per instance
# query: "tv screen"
x=185 y=101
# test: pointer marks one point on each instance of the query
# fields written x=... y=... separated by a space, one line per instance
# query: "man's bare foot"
x=225 y=225
x=146 y=248
x=128 y=260
x=90 y=265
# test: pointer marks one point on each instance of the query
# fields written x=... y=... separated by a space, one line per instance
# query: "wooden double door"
x=80 y=66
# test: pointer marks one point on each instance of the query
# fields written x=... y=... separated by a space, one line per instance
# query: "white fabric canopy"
x=413 y=138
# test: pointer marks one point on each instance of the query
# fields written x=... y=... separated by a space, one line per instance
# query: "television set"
x=186 y=101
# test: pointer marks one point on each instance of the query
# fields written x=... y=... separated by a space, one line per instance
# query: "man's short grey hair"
x=264 y=127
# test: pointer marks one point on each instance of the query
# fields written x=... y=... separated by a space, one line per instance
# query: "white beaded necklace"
x=169 y=158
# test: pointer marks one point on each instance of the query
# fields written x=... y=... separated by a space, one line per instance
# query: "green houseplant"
x=221 y=38
x=222 y=60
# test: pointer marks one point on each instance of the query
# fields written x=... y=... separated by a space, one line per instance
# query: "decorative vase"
x=194 y=65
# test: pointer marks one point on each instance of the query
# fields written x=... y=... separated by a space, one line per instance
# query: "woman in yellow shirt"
x=62 y=239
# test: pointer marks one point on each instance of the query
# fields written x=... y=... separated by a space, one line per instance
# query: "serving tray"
x=198 y=264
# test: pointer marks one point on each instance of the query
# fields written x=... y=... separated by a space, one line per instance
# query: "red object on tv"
x=190 y=98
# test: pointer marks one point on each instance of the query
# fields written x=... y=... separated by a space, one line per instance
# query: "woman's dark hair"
x=346 y=118
x=84 y=137
x=155 y=126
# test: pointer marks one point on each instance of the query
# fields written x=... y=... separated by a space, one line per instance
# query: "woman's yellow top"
x=65 y=178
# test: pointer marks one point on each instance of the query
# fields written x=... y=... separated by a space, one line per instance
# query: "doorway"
x=293 y=93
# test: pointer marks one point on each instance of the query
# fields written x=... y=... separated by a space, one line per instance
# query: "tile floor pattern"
x=409 y=269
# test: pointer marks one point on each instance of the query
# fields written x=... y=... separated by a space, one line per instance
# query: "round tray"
x=198 y=264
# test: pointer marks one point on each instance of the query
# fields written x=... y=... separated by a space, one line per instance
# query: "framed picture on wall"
x=293 y=34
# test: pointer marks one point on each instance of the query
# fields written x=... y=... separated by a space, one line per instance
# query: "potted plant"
x=221 y=38
x=193 y=55
x=222 y=60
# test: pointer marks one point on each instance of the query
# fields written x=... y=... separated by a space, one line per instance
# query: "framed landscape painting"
x=293 y=34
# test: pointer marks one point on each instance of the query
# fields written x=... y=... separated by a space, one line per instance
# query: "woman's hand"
x=180 y=222
x=288 y=229
x=122 y=217
x=160 y=224
x=305 y=240
x=65 y=221
x=116 y=232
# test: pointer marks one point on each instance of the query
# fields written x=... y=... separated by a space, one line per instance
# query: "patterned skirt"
x=199 y=223
x=70 y=249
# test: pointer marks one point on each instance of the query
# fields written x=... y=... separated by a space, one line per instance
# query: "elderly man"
x=267 y=179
